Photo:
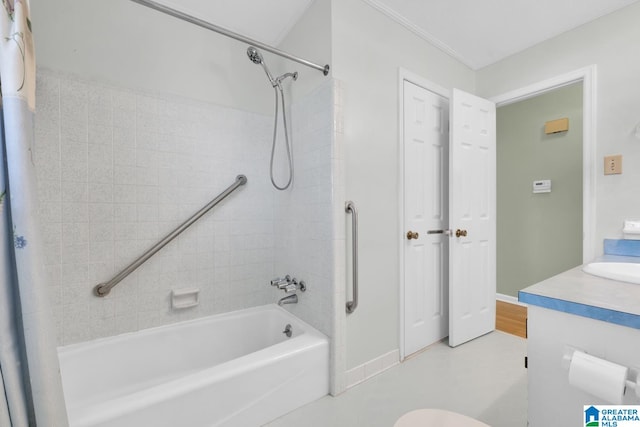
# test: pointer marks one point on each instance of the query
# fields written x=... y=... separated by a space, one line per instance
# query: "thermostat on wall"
x=542 y=186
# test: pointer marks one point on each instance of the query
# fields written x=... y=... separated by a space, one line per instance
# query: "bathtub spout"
x=290 y=299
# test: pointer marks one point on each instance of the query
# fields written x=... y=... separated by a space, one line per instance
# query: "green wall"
x=538 y=235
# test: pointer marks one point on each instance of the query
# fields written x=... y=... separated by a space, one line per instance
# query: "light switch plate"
x=613 y=165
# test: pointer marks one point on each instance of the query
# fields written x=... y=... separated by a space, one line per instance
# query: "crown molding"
x=420 y=32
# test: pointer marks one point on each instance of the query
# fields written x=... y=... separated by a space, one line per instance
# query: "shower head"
x=256 y=57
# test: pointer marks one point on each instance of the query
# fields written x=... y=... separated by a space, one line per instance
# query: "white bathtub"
x=233 y=369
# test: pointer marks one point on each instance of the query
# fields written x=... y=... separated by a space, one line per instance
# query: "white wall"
x=612 y=44
x=131 y=46
x=310 y=39
x=368 y=49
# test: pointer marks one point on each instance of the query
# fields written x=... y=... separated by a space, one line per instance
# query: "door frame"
x=404 y=74
x=587 y=76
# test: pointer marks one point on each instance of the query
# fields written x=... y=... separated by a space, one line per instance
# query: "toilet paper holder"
x=633 y=375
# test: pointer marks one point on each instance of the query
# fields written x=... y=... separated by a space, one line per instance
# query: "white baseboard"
x=372 y=368
x=509 y=299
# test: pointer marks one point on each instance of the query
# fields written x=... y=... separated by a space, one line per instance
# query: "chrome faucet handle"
x=299 y=285
x=281 y=281
x=286 y=283
x=290 y=288
x=295 y=286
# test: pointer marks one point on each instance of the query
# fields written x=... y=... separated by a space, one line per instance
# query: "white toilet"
x=436 y=417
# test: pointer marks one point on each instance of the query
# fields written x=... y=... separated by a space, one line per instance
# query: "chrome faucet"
x=288 y=284
x=289 y=299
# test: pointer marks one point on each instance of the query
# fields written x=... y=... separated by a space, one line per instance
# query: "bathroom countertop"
x=582 y=294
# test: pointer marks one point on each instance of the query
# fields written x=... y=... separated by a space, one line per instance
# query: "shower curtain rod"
x=209 y=26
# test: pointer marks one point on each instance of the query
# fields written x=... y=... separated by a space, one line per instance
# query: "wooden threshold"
x=511 y=318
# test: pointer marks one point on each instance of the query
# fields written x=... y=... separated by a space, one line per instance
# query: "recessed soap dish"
x=184 y=298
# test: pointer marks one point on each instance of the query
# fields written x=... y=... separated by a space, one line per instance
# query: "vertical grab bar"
x=351 y=208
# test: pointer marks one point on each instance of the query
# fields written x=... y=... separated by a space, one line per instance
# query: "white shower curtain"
x=30 y=386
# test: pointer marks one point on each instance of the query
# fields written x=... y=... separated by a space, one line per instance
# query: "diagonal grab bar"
x=103 y=289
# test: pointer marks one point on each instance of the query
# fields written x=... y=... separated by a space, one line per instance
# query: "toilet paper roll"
x=598 y=377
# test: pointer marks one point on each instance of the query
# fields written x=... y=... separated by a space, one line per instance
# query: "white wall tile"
x=124 y=193
x=74 y=158
x=74 y=191
x=74 y=212
x=118 y=169
x=124 y=155
x=126 y=175
x=124 y=231
x=304 y=217
x=101 y=212
x=101 y=132
x=125 y=137
x=100 y=192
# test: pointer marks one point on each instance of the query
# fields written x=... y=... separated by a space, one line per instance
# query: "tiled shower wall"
x=309 y=220
x=117 y=170
x=304 y=243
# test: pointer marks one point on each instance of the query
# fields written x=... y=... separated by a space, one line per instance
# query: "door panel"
x=426 y=140
x=472 y=207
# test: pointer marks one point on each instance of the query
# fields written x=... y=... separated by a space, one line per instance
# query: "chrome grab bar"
x=103 y=289
x=225 y=32
x=351 y=208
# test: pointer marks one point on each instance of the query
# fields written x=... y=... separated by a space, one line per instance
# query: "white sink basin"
x=622 y=271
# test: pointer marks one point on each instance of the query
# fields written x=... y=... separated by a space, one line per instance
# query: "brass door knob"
x=412 y=235
x=461 y=233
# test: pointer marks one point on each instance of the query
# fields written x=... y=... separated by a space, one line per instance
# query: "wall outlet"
x=613 y=165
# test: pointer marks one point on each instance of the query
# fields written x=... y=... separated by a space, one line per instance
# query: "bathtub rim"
x=99 y=342
x=89 y=413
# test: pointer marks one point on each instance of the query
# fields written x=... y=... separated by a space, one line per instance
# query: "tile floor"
x=484 y=379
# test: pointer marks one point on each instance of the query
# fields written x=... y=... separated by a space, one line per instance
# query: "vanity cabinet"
x=575 y=310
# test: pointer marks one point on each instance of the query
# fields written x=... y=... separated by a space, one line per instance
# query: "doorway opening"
x=586 y=76
x=539 y=189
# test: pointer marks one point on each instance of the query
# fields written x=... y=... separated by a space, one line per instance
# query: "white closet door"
x=472 y=217
x=426 y=140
